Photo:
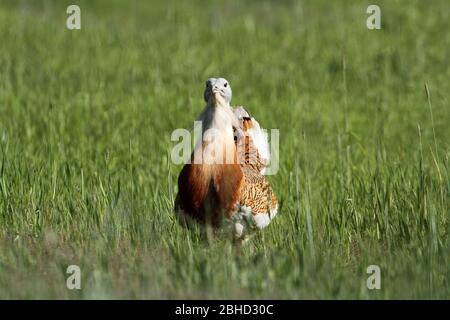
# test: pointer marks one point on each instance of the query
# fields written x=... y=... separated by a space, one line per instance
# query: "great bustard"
x=224 y=179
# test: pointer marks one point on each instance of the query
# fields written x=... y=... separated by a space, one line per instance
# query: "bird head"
x=217 y=89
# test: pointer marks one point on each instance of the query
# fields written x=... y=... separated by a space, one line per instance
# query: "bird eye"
x=225 y=85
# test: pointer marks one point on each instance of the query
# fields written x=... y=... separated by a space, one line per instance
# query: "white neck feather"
x=217 y=145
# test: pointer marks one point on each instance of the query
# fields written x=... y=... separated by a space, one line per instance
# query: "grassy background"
x=85 y=124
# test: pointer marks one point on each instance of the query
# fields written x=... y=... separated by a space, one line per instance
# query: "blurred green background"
x=85 y=123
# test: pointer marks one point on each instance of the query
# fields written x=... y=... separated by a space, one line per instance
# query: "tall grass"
x=85 y=124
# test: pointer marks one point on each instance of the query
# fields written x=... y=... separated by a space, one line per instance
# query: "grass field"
x=85 y=124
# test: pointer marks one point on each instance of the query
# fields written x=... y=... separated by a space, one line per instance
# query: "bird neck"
x=216 y=145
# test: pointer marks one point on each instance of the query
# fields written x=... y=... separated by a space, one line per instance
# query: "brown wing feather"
x=208 y=192
x=256 y=192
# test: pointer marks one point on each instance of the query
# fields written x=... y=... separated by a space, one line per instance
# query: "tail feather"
x=258 y=136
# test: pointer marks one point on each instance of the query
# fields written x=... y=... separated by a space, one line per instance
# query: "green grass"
x=85 y=124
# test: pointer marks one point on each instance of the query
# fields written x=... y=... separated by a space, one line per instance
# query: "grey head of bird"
x=217 y=86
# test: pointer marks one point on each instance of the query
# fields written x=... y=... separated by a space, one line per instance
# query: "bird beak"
x=216 y=97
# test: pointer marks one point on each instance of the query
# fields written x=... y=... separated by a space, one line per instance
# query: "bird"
x=224 y=180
